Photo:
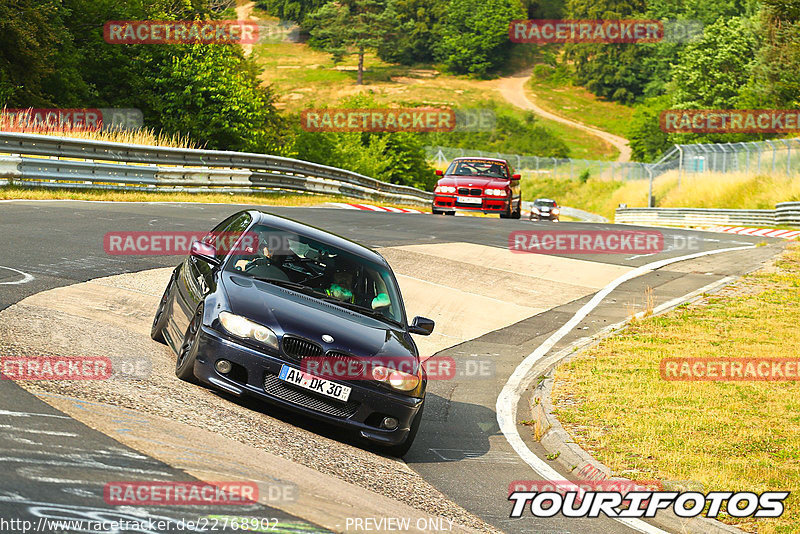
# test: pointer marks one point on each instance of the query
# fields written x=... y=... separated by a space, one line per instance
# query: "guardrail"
x=704 y=216
x=788 y=213
x=69 y=162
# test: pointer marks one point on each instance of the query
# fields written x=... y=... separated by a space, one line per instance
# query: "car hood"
x=289 y=312
x=473 y=181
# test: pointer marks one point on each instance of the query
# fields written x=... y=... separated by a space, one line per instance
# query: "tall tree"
x=608 y=70
x=776 y=74
x=475 y=35
x=349 y=27
x=293 y=10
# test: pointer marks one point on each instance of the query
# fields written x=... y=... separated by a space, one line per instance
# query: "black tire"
x=401 y=449
x=436 y=212
x=184 y=366
x=450 y=213
x=518 y=212
x=160 y=320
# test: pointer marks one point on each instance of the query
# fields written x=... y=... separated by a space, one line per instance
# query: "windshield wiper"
x=362 y=310
x=291 y=285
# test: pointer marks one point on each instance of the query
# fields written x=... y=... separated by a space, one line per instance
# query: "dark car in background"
x=545 y=209
x=487 y=185
x=247 y=318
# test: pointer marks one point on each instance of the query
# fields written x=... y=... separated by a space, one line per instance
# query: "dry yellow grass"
x=730 y=436
x=136 y=137
x=265 y=199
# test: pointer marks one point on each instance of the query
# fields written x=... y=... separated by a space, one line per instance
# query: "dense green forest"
x=52 y=54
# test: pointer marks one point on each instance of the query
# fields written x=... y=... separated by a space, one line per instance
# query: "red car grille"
x=469 y=192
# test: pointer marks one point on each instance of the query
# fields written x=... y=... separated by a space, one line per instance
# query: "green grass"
x=303 y=77
x=577 y=103
x=730 y=436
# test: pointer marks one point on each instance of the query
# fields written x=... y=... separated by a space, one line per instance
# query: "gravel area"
x=51 y=323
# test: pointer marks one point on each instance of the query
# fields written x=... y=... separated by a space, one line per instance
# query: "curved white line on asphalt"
x=521 y=378
x=25 y=277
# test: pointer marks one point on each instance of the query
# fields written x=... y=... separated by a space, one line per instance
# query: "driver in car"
x=269 y=253
x=342 y=287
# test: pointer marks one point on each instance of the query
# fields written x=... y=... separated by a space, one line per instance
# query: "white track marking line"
x=31 y=414
x=25 y=277
x=46 y=432
x=519 y=381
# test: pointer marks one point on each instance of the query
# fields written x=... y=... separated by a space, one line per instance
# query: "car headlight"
x=247 y=329
x=535 y=209
x=555 y=211
x=496 y=192
x=397 y=379
x=446 y=189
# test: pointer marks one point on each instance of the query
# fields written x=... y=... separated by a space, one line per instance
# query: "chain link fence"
x=774 y=157
x=564 y=168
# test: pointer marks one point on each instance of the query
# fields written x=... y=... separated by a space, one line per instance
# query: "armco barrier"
x=122 y=166
x=788 y=213
x=696 y=216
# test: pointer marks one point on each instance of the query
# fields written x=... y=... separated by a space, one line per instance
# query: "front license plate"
x=468 y=200
x=315 y=384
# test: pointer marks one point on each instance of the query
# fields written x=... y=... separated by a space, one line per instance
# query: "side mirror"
x=205 y=252
x=439 y=173
x=516 y=176
x=421 y=326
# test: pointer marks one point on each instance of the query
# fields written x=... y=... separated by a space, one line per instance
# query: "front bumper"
x=443 y=203
x=543 y=216
x=255 y=374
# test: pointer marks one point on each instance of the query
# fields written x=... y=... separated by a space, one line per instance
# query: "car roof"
x=290 y=225
x=494 y=160
x=544 y=200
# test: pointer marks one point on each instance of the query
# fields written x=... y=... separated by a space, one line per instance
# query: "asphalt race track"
x=459 y=450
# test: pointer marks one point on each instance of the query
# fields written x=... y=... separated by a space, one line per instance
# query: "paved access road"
x=459 y=450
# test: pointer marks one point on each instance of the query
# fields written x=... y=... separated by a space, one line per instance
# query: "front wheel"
x=516 y=214
x=160 y=320
x=401 y=449
x=184 y=366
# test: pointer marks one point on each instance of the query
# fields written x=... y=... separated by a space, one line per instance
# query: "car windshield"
x=543 y=203
x=477 y=167
x=319 y=270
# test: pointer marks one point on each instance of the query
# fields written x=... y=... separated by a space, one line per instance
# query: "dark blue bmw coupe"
x=260 y=297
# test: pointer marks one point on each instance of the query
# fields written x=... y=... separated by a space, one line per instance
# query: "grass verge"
x=577 y=103
x=602 y=196
x=264 y=199
x=730 y=436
